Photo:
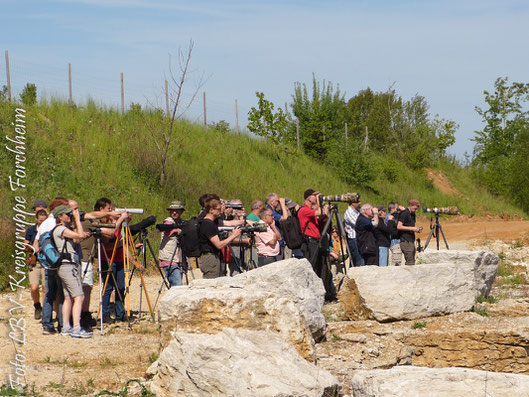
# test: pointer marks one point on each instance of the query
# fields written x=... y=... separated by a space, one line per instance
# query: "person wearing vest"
x=170 y=255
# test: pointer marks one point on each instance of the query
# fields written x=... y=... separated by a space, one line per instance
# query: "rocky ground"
x=495 y=336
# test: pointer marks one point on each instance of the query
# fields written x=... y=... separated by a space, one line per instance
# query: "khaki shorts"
x=36 y=275
x=70 y=275
x=209 y=265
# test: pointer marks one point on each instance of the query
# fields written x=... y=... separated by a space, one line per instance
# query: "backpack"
x=49 y=256
x=190 y=238
x=292 y=232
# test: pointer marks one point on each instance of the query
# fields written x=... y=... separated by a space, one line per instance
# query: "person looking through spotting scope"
x=407 y=229
x=170 y=255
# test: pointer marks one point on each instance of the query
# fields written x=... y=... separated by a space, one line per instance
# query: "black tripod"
x=434 y=231
x=333 y=208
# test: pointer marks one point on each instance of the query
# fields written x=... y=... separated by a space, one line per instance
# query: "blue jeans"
x=53 y=285
x=383 y=256
x=119 y=276
x=173 y=274
x=357 y=258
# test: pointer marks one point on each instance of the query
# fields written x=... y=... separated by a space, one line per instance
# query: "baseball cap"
x=39 y=203
x=381 y=208
x=61 y=209
x=309 y=192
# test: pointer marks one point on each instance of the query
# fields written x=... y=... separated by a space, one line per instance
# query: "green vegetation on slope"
x=89 y=152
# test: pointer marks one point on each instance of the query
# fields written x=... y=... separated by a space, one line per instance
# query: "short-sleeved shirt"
x=277 y=219
x=253 y=217
x=263 y=238
x=31 y=233
x=208 y=229
x=308 y=222
x=46 y=226
x=87 y=245
x=60 y=241
x=407 y=219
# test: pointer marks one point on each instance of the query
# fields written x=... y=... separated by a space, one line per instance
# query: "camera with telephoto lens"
x=445 y=210
x=166 y=227
x=239 y=207
x=341 y=198
x=255 y=228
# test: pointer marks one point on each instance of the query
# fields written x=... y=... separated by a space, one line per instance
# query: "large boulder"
x=236 y=363
x=212 y=310
x=410 y=292
x=408 y=381
x=284 y=297
x=485 y=265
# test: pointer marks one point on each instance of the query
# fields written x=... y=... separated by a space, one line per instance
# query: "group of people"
x=68 y=288
x=223 y=247
x=372 y=232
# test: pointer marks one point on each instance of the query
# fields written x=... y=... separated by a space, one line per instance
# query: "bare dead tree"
x=165 y=134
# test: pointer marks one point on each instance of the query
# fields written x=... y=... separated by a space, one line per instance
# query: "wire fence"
x=54 y=81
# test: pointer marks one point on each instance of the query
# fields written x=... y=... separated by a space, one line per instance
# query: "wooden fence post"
x=70 y=83
x=205 y=114
x=237 y=116
x=297 y=131
x=8 y=77
x=122 y=96
x=167 y=98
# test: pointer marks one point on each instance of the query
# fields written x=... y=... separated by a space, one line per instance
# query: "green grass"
x=489 y=299
x=90 y=151
x=481 y=310
x=419 y=325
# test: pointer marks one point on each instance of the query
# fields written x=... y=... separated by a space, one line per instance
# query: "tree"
x=271 y=125
x=163 y=130
x=506 y=115
x=321 y=116
x=29 y=95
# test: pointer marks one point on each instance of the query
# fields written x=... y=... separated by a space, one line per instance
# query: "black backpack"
x=292 y=232
x=190 y=238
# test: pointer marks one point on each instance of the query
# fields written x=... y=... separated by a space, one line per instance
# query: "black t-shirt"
x=208 y=229
x=407 y=219
x=31 y=233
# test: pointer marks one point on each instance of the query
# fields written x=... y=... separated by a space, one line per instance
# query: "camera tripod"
x=434 y=231
x=145 y=242
x=341 y=233
x=130 y=257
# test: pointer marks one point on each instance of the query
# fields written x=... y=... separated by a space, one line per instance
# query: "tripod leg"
x=157 y=264
x=428 y=240
x=443 y=234
x=437 y=235
x=342 y=233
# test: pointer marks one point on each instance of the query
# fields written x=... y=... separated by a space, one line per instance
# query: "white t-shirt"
x=46 y=226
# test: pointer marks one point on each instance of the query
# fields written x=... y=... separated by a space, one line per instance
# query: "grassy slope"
x=89 y=152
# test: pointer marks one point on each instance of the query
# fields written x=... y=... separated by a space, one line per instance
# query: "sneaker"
x=112 y=309
x=67 y=332
x=83 y=334
x=48 y=331
x=38 y=312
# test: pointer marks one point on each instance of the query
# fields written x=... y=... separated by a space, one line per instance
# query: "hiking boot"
x=107 y=319
x=48 y=331
x=81 y=334
x=87 y=321
x=38 y=311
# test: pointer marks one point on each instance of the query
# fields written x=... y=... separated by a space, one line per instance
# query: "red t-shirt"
x=307 y=215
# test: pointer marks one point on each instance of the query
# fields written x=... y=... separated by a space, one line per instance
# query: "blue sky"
x=447 y=51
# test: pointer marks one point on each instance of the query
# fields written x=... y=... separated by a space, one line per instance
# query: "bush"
x=29 y=95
